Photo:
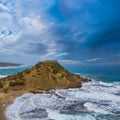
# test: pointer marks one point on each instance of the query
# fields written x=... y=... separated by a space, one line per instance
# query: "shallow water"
x=94 y=101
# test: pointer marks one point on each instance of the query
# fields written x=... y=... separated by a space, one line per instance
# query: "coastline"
x=90 y=87
x=70 y=100
x=6 y=99
x=12 y=95
x=44 y=75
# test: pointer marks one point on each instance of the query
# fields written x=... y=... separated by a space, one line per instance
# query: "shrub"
x=6 y=87
x=16 y=83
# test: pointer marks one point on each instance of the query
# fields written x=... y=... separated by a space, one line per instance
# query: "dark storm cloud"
x=36 y=48
x=97 y=23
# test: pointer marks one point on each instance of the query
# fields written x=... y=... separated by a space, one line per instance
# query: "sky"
x=70 y=31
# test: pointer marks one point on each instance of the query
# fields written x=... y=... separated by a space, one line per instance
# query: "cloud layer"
x=79 y=31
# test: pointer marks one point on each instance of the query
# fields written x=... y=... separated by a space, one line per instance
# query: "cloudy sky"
x=71 y=31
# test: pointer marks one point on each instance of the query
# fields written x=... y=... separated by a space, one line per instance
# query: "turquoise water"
x=11 y=70
x=102 y=73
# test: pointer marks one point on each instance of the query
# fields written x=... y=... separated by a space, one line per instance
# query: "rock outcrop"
x=43 y=76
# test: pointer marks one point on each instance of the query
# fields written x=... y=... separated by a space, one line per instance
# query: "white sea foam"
x=105 y=84
x=88 y=102
x=96 y=108
x=2 y=76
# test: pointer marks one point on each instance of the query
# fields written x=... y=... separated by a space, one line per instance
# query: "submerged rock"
x=44 y=76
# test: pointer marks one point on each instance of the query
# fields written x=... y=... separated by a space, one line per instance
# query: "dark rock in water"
x=44 y=76
x=87 y=79
x=76 y=108
x=36 y=113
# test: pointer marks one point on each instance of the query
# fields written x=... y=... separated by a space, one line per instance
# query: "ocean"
x=6 y=71
x=106 y=73
x=95 y=100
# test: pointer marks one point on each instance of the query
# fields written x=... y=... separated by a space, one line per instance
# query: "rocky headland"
x=43 y=76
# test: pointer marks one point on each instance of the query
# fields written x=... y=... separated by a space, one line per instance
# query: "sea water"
x=106 y=73
x=6 y=71
x=95 y=100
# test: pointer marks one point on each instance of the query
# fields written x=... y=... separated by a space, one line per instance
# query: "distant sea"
x=5 y=71
x=95 y=100
x=106 y=73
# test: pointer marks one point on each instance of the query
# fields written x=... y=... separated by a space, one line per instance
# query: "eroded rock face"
x=43 y=76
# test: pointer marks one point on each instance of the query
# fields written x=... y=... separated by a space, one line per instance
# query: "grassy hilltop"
x=43 y=76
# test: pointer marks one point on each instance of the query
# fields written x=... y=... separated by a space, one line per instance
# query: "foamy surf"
x=2 y=76
x=94 y=101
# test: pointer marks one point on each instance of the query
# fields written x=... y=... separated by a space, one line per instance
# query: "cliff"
x=43 y=76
